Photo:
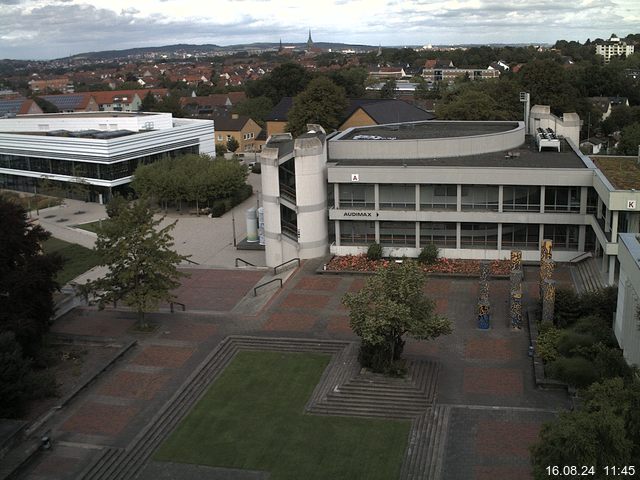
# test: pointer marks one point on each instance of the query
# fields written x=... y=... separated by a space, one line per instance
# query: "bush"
x=241 y=194
x=218 y=208
x=610 y=362
x=598 y=327
x=374 y=252
x=256 y=168
x=601 y=303
x=567 y=307
x=576 y=371
x=429 y=254
x=572 y=343
x=547 y=344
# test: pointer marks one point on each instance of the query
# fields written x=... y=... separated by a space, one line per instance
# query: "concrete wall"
x=626 y=324
x=568 y=126
x=429 y=147
x=92 y=121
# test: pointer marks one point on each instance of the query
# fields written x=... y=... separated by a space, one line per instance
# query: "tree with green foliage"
x=548 y=83
x=149 y=103
x=471 y=105
x=629 y=140
x=352 y=79
x=322 y=102
x=27 y=277
x=45 y=105
x=232 y=145
x=256 y=108
x=389 y=89
x=171 y=104
x=142 y=264
x=391 y=305
x=286 y=80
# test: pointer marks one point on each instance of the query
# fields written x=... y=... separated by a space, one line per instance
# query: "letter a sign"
x=355 y=177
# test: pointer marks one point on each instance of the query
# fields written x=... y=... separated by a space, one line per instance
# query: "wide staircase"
x=587 y=275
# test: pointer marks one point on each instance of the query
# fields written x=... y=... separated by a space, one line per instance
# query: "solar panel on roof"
x=10 y=106
x=65 y=102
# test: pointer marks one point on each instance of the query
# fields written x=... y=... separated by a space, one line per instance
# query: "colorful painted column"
x=484 y=307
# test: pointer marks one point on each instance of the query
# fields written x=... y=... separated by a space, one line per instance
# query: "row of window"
x=109 y=171
x=472 y=235
x=473 y=197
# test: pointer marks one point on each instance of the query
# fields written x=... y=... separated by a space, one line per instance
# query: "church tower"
x=309 y=42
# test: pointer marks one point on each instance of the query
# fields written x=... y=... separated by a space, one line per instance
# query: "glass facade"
x=398 y=234
x=520 y=235
x=521 y=198
x=480 y=197
x=398 y=196
x=287 y=176
x=442 y=235
x=289 y=222
x=562 y=199
x=357 y=233
x=479 y=235
x=438 y=197
x=564 y=237
x=357 y=196
x=97 y=171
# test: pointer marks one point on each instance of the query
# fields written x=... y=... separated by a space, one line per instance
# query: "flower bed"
x=360 y=263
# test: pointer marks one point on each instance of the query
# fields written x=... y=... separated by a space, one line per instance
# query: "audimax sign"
x=350 y=213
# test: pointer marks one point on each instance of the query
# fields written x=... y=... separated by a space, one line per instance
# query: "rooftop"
x=90 y=115
x=430 y=129
x=525 y=156
x=622 y=172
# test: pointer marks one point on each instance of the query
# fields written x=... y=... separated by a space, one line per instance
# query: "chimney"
x=234 y=116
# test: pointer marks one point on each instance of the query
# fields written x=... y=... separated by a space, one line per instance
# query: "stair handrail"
x=243 y=261
x=275 y=269
x=580 y=257
x=255 y=290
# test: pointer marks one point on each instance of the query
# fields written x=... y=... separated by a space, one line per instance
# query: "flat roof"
x=88 y=114
x=622 y=172
x=526 y=156
x=427 y=129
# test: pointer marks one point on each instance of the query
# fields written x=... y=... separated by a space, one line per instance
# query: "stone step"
x=416 y=446
x=391 y=403
x=363 y=412
x=356 y=391
x=437 y=442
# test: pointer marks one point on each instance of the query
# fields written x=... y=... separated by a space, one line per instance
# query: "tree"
x=389 y=89
x=286 y=80
x=255 y=108
x=629 y=140
x=548 y=83
x=322 y=102
x=15 y=377
x=471 y=105
x=232 y=144
x=149 y=103
x=391 y=305
x=45 y=105
x=142 y=265
x=352 y=79
x=27 y=277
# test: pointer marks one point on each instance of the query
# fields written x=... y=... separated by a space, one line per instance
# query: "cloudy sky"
x=45 y=29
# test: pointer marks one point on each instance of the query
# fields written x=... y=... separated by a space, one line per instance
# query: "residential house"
x=212 y=104
x=73 y=102
x=126 y=100
x=445 y=71
x=18 y=106
x=614 y=47
x=61 y=84
x=606 y=104
x=243 y=129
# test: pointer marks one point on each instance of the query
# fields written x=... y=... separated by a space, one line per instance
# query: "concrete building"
x=475 y=189
x=613 y=47
x=98 y=149
x=626 y=322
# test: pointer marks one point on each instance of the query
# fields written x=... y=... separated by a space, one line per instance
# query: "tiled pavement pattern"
x=485 y=385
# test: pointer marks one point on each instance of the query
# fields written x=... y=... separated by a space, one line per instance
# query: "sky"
x=46 y=29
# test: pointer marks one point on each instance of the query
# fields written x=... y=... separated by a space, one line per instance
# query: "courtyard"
x=480 y=408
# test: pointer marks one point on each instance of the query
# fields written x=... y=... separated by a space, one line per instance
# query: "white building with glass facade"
x=474 y=189
x=99 y=149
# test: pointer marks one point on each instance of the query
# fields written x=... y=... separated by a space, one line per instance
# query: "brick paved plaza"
x=485 y=379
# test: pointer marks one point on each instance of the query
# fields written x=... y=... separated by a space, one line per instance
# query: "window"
x=398 y=234
x=438 y=197
x=356 y=196
x=564 y=237
x=220 y=138
x=562 y=199
x=289 y=222
x=480 y=197
x=479 y=235
x=442 y=235
x=357 y=233
x=520 y=235
x=521 y=198
x=398 y=196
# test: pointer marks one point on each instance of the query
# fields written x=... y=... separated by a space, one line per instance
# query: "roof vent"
x=512 y=154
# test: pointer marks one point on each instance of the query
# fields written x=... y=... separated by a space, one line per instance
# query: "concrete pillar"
x=417 y=197
x=599 y=208
x=376 y=196
x=337 y=231
x=540 y=236
x=614 y=226
x=500 y=200
x=336 y=195
x=542 y=200
x=458 y=230
x=612 y=269
x=417 y=234
x=584 y=192
x=459 y=199
x=605 y=259
x=500 y=235
x=582 y=235
x=377 y=231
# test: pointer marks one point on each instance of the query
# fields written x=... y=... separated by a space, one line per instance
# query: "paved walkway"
x=485 y=382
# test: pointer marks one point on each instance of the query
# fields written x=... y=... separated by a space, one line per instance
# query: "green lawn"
x=78 y=259
x=252 y=418
x=91 y=227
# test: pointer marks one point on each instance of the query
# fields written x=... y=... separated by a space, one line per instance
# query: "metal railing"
x=238 y=259
x=177 y=303
x=191 y=261
x=275 y=269
x=255 y=290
